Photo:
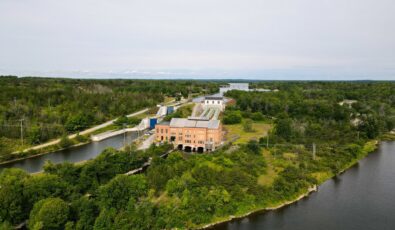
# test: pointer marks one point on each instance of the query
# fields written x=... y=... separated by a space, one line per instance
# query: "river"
x=74 y=154
x=361 y=198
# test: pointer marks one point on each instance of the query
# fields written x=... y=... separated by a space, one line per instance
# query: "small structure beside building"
x=191 y=134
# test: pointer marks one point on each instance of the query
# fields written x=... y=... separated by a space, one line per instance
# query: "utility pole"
x=21 y=120
x=267 y=140
x=314 y=150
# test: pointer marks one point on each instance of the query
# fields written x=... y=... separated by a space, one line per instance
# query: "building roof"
x=198 y=118
x=164 y=123
x=214 y=98
x=239 y=84
x=183 y=122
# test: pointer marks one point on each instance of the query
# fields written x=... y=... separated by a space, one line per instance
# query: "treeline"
x=307 y=112
x=48 y=108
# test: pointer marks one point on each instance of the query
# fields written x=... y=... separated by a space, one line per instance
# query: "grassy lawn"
x=272 y=169
x=105 y=129
x=260 y=130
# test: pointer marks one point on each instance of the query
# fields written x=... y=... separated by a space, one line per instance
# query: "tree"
x=78 y=122
x=50 y=213
x=232 y=117
x=283 y=128
x=370 y=126
x=12 y=201
x=118 y=191
x=85 y=211
x=43 y=186
x=105 y=220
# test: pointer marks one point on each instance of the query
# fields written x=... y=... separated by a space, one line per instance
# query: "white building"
x=214 y=102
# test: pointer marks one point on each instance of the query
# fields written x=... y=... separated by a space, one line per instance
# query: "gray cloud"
x=331 y=37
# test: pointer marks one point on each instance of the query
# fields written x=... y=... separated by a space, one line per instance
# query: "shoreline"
x=43 y=153
x=301 y=196
x=70 y=147
x=281 y=205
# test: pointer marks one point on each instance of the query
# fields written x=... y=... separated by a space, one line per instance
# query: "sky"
x=243 y=39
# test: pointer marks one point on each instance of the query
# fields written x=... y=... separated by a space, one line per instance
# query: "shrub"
x=65 y=142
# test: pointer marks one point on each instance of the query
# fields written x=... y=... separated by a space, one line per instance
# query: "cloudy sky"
x=265 y=39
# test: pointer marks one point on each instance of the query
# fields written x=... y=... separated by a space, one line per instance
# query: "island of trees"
x=268 y=159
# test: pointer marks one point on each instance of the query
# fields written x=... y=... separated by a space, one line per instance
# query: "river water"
x=361 y=198
x=73 y=155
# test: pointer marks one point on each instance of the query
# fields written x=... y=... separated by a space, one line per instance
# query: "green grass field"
x=260 y=130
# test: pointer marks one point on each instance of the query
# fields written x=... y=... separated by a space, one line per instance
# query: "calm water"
x=361 y=198
x=76 y=154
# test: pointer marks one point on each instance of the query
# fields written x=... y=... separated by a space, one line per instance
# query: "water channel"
x=361 y=198
x=75 y=154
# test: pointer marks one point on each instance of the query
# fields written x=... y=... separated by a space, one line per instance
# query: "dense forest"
x=40 y=109
x=190 y=190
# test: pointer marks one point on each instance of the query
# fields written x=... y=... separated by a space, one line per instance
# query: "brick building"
x=191 y=134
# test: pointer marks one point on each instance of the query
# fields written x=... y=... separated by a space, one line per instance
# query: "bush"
x=247 y=126
x=232 y=117
x=81 y=138
x=257 y=116
x=65 y=142
x=254 y=147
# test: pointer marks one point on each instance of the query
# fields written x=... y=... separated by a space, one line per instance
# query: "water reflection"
x=75 y=154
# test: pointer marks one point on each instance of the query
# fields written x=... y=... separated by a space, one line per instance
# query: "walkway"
x=87 y=131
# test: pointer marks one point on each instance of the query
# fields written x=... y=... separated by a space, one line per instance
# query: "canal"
x=73 y=155
x=362 y=198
